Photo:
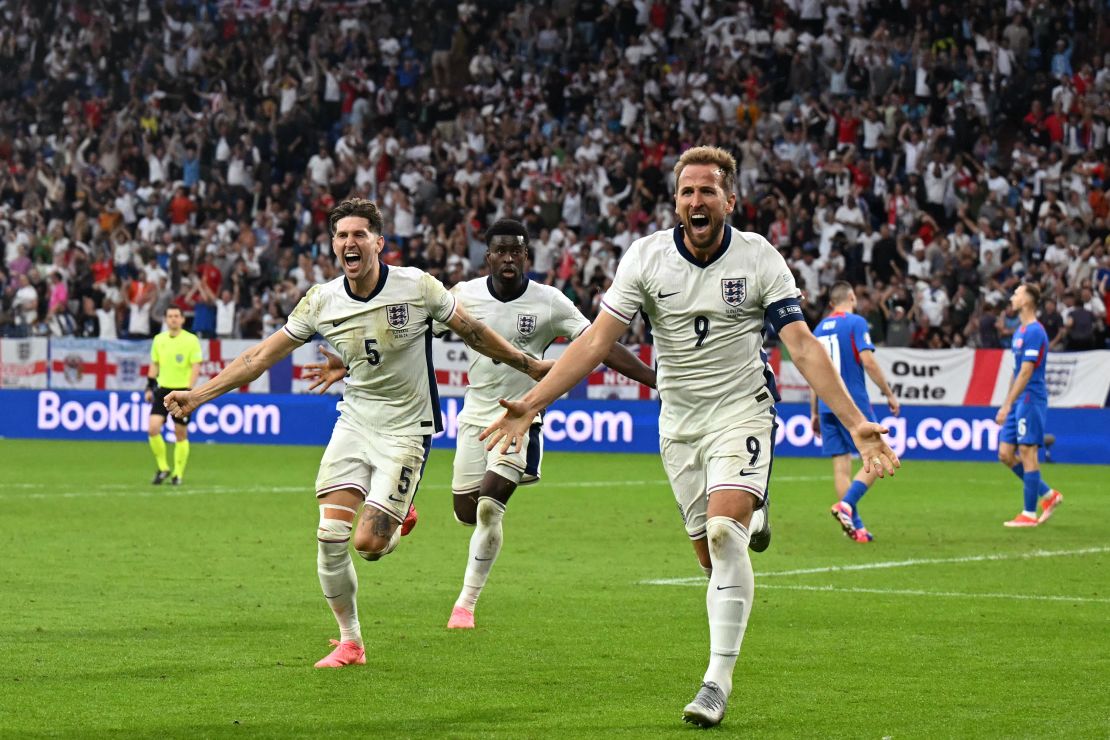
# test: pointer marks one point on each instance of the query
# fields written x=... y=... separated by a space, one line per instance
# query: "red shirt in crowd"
x=102 y=270
x=211 y=275
x=847 y=127
x=1054 y=125
x=138 y=290
x=181 y=207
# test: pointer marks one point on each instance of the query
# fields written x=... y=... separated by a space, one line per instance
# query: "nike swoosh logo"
x=661 y=294
x=339 y=321
x=396 y=500
x=482 y=560
x=332 y=597
x=744 y=473
x=724 y=588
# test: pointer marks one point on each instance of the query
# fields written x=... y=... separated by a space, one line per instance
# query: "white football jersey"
x=385 y=342
x=707 y=320
x=531 y=321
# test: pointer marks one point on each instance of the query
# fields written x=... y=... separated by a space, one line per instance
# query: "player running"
x=378 y=318
x=845 y=337
x=1022 y=416
x=530 y=316
x=175 y=359
x=707 y=289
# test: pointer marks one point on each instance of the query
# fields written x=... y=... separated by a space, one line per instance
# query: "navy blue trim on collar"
x=689 y=257
x=383 y=273
x=505 y=299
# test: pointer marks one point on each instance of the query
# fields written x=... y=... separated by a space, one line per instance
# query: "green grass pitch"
x=192 y=612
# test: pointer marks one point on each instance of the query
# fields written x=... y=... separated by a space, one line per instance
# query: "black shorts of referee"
x=158 y=405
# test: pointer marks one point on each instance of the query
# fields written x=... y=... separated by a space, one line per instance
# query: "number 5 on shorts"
x=403 y=486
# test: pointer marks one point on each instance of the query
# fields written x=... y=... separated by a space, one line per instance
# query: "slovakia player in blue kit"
x=845 y=337
x=1023 y=413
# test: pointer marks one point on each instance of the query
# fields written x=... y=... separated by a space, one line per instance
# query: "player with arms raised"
x=845 y=337
x=378 y=319
x=1022 y=416
x=707 y=289
x=531 y=316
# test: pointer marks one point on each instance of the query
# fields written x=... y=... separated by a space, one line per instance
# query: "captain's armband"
x=781 y=313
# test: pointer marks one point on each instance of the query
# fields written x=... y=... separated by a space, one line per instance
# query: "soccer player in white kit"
x=378 y=318
x=707 y=289
x=531 y=316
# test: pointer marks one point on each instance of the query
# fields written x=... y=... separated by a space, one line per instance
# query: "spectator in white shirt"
x=321 y=167
x=917 y=264
x=225 y=313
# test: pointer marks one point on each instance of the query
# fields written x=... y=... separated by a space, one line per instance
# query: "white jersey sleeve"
x=301 y=324
x=438 y=301
x=625 y=296
x=566 y=320
x=439 y=328
x=774 y=276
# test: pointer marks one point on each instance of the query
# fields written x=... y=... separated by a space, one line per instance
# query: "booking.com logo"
x=559 y=425
x=955 y=434
x=127 y=412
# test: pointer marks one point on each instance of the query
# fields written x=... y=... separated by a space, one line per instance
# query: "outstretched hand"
x=510 y=429
x=873 y=449
x=326 y=373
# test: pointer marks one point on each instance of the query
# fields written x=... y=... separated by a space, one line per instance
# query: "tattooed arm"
x=246 y=368
x=481 y=338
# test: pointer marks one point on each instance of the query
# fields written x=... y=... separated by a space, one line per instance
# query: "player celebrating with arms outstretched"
x=707 y=289
x=1023 y=413
x=378 y=319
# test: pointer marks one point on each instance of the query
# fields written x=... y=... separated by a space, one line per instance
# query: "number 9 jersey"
x=385 y=342
x=707 y=320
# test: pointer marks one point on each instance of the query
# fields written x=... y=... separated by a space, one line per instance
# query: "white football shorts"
x=735 y=458
x=384 y=468
x=472 y=460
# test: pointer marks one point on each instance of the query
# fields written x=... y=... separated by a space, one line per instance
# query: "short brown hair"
x=1034 y=292
x=839 y=292
x=367 y=209
x=714 y=155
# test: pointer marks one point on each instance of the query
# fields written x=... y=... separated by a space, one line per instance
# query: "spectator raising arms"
x=950 y=157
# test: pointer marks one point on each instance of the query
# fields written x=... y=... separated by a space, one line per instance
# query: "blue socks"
x=852 y=497
x=1032 y=489
x=1042 y=487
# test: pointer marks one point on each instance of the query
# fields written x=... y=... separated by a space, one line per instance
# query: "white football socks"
x=485 y=544
x=337 y=575
x=729 y=598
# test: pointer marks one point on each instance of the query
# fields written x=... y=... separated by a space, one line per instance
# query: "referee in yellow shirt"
x=174 y=365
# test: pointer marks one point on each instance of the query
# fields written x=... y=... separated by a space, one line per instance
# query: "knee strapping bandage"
x=334 y=530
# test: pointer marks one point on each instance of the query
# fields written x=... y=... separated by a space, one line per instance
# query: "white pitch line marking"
x=938 y=561
x=698 y=580
x=943 y=594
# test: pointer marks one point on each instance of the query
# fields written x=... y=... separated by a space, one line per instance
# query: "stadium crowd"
x=187 y=153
